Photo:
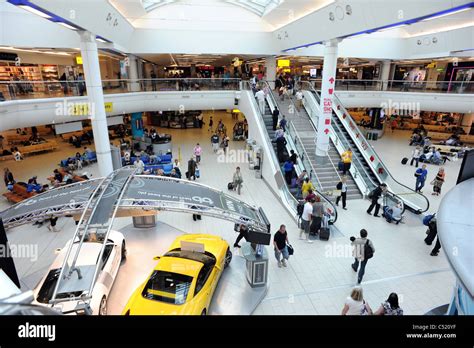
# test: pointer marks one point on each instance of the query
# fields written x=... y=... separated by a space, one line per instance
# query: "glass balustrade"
x=463 y=87
x=15 y=90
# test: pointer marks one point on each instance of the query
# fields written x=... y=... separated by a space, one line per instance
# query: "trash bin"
x=257 y=264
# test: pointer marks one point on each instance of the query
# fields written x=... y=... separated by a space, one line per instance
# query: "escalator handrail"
x=367 y=175
x=325 y=198
x=388 y=173
x=269 y=142
x=376 y=155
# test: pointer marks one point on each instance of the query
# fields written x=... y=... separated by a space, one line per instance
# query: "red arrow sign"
x=331 y=80
x=331 y=90
x=326 y=131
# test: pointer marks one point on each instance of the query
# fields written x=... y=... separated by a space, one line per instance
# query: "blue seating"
x=167 y=168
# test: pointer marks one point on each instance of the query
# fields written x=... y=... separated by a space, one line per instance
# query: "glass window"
x=168 y=287
x=202 y=278
x=106 y=254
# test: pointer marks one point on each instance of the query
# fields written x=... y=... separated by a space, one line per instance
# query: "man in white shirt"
x=260 y=95
x=306 y=220
x=299 y=100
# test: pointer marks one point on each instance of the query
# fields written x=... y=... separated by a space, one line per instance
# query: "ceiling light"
x=446 y=14
x=67 y=25
x=35 y=11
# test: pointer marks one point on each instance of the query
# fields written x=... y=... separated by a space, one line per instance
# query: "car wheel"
x=124 y=251
x=103 y=306
x=228 y=258
x=204 y=312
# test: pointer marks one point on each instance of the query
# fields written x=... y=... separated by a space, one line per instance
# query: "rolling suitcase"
x=315 y=225
x=230 y=186
x=324 y=232
x=404 y=160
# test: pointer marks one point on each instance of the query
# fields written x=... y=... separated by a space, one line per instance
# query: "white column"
x=90 y=59
x=466 y=122
x=133 y=85
x=327 y=93
x=385 y=73
x=270 y=68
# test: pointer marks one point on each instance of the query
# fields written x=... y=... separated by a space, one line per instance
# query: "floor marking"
x=350 y=285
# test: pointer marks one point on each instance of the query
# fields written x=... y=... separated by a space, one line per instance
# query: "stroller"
x=238 y=131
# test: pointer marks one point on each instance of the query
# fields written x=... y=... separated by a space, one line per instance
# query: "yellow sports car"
x=184 y=279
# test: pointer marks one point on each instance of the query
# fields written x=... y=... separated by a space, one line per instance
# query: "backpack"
x=300 y=209
x=368 y=251
x=427 y=219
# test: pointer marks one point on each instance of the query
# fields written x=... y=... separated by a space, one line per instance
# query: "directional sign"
x=331 y=80
x=331 y=90
x=327 y=121
x=326 y=131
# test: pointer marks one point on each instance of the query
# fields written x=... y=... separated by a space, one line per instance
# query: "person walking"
x=355 y=304
x=288 y=168
x=415 y=156
x=243 y=233
x=438 y=182
x=390 y=307
x=52 y=224
x=275 y=114
x=363 y=250
x=153 y=81
x=420 y=174
x=307 y=185
x=306 y=221
x=375 y=196
x=346 y=158
x=225 y=143
x=237 y=180
x=197 y=153
x=260 y=95
x=192 y=165
x=432 y=233
x=211 y=123
x=215 y=140
x=280 y=242
x=342 y=187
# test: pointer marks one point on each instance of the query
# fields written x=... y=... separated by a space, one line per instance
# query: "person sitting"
x=127 y=158
x=393 y=214
x=17 y=155
x=416 y=139
x=58 y=176
x=78 y=159
x=177 y=172
x=33 y=185
x=68 y=178
x=426 y=157
x=437 y=158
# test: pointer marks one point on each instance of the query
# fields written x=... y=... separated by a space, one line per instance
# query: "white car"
x=114 y=253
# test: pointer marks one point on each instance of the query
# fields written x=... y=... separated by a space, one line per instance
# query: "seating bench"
x=18 y=194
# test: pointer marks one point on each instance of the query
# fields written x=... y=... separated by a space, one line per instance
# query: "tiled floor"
x=319 y=277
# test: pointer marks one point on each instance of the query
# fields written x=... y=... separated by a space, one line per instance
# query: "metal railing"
x=308 y=166
x=25 y=89
x=459 y=87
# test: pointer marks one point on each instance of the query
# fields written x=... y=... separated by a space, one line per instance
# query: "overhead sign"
x=282 y=63
x=8 y=56
x=79 y=60
x=109 y=106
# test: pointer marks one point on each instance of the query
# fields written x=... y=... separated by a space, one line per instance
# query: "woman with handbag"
x=355 y=304
x=438 y=182
x=280 y=245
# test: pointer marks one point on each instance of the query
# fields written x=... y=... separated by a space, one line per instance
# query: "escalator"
x=303 y=162
x=366 y=159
